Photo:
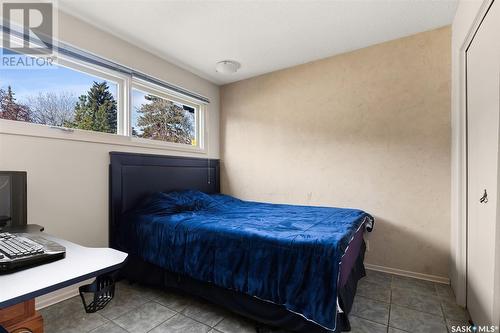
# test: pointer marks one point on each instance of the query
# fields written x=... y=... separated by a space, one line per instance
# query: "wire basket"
x=103 y=291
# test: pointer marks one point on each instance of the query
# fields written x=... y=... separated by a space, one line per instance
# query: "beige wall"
x=367 y=129
x=68 y=180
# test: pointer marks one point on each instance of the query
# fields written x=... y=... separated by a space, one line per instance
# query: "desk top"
x=81 y=263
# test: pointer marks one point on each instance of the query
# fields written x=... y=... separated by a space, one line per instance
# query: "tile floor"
x=384 y=303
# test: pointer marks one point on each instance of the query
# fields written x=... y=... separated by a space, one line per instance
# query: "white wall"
x=68 y=180
x=465 y=18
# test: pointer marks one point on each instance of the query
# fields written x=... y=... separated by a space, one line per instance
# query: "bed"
x=293 y=267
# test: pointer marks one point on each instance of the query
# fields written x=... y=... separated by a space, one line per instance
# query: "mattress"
x=284 y=254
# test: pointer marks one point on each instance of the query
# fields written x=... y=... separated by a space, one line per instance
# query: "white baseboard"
x=58 y=295
x=420 y=276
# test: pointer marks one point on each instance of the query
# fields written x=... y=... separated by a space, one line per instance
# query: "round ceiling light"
x=227 y=66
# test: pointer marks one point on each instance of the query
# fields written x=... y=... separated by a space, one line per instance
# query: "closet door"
x=483 y=108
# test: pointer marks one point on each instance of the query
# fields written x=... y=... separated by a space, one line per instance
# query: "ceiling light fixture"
x=227 y=66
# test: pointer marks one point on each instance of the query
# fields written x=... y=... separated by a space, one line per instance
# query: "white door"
x=483 y=109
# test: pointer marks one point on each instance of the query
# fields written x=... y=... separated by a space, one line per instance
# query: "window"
x=64 y=96
x=84 y=94
x=160 y=117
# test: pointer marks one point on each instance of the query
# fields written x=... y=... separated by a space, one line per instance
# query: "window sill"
x=43 y=131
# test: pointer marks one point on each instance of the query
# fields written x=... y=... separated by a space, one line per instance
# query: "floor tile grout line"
x=392 y=288
x=422 y=311
x=153 y=299
x=391 y=303
x=175 y=314
x=370 y=320
x=136 y=308
x=416 y=291
x=399 y=329
x=444 y=316
x=129 y=311
x=198 y=321
x=373 y=299
x=220 y=321
x=187 y=316
x=390 y=307
x=401 y=306
x=106 y=322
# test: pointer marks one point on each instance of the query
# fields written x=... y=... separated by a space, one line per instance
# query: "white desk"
x=81 y=263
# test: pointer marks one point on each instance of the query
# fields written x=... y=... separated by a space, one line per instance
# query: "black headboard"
x=135 y=176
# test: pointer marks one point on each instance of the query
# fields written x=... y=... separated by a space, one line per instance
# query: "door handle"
x=484 y=198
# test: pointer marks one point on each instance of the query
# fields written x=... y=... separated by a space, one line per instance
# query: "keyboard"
x=19 y=251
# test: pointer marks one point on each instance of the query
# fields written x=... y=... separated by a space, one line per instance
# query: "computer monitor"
x=13 y=198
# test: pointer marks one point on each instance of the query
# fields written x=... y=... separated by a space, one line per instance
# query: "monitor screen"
x=5 y=197
x=12 y=198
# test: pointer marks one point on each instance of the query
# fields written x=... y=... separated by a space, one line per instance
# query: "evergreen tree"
x=164 y=120
x=10 y=109
x=96 y=111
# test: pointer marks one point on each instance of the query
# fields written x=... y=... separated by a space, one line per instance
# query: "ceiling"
x=263 y=36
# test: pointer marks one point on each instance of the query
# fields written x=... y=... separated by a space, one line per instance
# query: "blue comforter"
x=288 y=255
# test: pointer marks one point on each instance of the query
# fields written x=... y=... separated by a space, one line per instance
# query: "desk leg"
x=21 y=318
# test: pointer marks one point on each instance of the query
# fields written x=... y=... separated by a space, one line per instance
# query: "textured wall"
x=367 y=129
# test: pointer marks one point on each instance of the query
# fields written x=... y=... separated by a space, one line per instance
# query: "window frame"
x=123 y=136
x=108 y=75
x=164 y=93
